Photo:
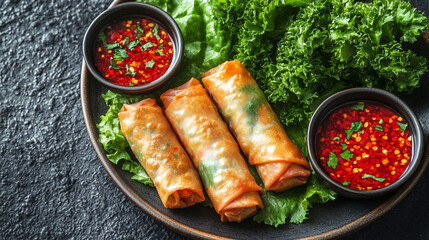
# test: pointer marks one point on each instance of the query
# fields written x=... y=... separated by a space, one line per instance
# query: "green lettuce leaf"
x=112 y=139
x=294 y=203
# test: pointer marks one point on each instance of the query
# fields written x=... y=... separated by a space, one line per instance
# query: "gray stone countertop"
x=52 y=185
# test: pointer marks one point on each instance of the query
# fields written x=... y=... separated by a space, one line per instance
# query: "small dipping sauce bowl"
x=360 y=153
x=161 y=24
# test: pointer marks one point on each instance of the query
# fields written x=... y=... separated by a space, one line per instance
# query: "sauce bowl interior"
x=122 y=11
x=373 y=95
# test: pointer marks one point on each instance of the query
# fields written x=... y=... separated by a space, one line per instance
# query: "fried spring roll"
x=215 y=153
x=280 y=164
x=157 y=148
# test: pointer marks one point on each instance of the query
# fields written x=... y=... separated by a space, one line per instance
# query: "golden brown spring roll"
x=227 y=180
x=157 y=148
x=280 y=164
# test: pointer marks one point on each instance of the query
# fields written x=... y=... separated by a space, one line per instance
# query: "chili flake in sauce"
x=133 y=52
x=364 y=146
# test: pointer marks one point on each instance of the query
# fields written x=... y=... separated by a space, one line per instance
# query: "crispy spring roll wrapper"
x=215 y=153
x=279 y=162
x=155 y=145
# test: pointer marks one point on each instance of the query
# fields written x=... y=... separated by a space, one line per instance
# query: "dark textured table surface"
x=52 y=185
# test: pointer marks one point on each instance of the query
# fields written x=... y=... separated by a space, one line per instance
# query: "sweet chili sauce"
x=133 y=52
x=364 y=146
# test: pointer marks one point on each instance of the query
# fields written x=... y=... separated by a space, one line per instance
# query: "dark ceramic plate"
x=333 y=219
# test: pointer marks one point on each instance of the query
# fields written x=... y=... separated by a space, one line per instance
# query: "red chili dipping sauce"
x=364 y=146
x=133 y=52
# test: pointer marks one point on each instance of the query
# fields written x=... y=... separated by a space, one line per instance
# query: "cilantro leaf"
x=358 y=107
x=355 y=127
x=333 y=160
x=139 y=29
x=378 y=127
x=121 y=53
x=134 y=44
x=335 y=139
x=114 y=65
x=112 y=45
x=347 y=155
x=126 y=41
x=402 y=126
x=150 y=64
x=117 y=57
x=346 y=183
x=155 y=32
x=146 y=46
x=344 y=146
x=160 y=52
x=133 y=74
x=102 y=37
x=373 y=177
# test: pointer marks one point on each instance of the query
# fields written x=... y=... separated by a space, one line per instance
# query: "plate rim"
x=183 y=229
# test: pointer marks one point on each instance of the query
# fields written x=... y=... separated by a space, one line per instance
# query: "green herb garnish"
x=155 y=32
x=150 y=64
x=161 y=46
x=112 y=45
x=121 y=53
x=102 y=37
x=378 y=127
x=139 y=29
x=335 y=139
x=402 y=126
x=373 y=177
x=133 y=74
x=160 y=52
x=134 y=44
x=132 y=85
x=355 y=127
x=344 y=146
x=333 y=160
x=114 y=65
x=381 y=121
x=346 y=183
x=347 y=155
x=358 y=107
x=146 y=46
x=126 y=41
x=117 y=58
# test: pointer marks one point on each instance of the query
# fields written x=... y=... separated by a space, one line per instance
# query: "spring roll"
x=214 y=152
x=157 y=148
x=279 y=162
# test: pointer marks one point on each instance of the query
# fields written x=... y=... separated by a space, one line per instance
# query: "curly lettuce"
x=112 y=139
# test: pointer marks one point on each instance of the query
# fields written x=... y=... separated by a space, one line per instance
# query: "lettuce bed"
x=299 y=52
